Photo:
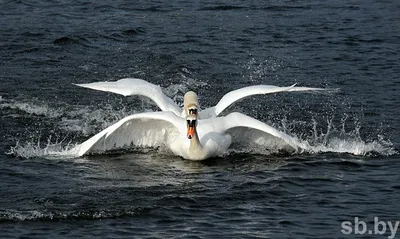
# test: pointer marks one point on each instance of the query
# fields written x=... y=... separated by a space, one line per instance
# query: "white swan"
x=191 y=138
x=184 y=133
x=132 y=86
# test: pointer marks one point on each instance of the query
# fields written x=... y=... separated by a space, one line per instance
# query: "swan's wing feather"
x=244 y=128
x=238 y=94
x=145 y=129
x=132 y=86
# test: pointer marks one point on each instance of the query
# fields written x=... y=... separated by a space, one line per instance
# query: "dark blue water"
x=351 y=169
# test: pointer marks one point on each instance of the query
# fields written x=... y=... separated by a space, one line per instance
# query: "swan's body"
x=212 y=136
x=132 y=86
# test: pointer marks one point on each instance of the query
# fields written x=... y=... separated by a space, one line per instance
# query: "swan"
x=206 y=133
x=199 y=140
x=133 y=86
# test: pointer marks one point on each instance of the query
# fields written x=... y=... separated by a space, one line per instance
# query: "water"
x=351 y=167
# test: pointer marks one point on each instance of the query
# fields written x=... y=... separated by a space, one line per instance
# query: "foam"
x=33 y=215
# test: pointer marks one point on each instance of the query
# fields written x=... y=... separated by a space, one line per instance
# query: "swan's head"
x=191 y=103
x=191 y=122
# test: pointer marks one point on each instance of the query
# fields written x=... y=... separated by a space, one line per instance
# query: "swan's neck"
x=196 y=150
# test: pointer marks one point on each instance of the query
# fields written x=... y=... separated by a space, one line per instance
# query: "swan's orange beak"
x=190 y=132
x=191 y=126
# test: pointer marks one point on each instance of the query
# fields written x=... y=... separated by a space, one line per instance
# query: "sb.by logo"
x=360 y=227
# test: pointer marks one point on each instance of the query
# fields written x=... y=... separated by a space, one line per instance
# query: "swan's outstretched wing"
x=132 y=86
x=145 y=129
x=245 y=128
x=238 y=94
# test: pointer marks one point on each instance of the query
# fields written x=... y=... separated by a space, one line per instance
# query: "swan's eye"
x=188 y=122
x=193 y=111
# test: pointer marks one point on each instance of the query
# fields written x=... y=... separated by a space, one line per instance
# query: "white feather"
x=132 y=86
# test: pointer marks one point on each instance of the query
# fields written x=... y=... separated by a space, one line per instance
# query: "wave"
x=76 y=40
x=221 y=8
x=35 y=215
x=36 y=108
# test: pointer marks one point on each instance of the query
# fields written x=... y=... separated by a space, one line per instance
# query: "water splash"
x=177 y=91
x=337 y=140
x=50 y=150
x=379 y=146
x=88 y=121
x=256 y=71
